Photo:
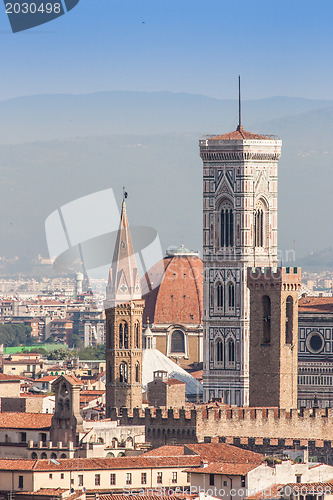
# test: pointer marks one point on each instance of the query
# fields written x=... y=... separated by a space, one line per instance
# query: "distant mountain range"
x=56 y=148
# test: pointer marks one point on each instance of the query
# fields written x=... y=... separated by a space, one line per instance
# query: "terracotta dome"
x=173 y=289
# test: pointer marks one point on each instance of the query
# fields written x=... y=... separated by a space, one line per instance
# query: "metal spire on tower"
x=239 y=105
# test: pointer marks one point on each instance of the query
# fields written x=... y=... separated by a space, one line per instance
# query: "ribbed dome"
x=173 y=289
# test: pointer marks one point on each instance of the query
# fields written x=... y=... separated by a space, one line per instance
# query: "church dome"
x=173 y=289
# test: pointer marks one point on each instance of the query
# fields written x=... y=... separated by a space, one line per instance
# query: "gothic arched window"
x=219 y=351
x=259 y=224
x=266 y=307
x=137 y=372
x=231 y=351
x=121 y=335
x=231 y=296
x=227 y=225
x=289 y=319
x=178 y=341
x=219 y=295
x=125 y=335
x=123 y=372
x=137 y=334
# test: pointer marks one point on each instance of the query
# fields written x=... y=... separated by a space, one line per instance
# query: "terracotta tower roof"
x=240 y=134
x=178 y=296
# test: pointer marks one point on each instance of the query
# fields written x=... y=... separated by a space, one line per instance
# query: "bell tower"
x=239 y=231
x=124 y=310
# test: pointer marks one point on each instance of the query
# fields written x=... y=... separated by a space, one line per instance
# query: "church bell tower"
x=239 y=231
x=124 y=310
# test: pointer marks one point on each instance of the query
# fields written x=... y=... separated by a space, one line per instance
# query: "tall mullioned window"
x=137 y=335
x=259 y=224
x=219 y=295
x=231 y=351
x=219 y=351
x=123 y=372
x=231 y=296
x=227 y=225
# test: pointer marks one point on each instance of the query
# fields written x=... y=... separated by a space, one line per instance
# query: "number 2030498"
x=32 y=8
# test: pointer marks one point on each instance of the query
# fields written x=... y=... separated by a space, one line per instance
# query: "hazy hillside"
x=49 y=117
x=149 y=143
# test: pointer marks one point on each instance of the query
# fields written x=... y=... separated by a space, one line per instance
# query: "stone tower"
x=239 y=231
x=274 y=336
x=124 y=309
x=67 y=423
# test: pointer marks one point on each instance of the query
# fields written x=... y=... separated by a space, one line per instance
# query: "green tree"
x=12 y=335
x=59 y=353
x=94 y=352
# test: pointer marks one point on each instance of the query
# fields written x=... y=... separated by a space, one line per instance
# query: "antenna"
x=239 y=105
x=125 y=194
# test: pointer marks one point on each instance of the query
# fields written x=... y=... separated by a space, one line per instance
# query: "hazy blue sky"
x=280 y=47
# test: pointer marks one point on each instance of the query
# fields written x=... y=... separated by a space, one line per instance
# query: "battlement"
x=209 y=421
x=283 y=277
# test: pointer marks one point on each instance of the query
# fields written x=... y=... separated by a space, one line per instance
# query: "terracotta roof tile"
x=224 y=468
x=174 y=381
x=238 y=135
x=315 y=305
x=136 y=462
x=167 y=450
x=178 y=297
x=12 y=420
x=225 y=453
x=47 y=378
x=9 y=378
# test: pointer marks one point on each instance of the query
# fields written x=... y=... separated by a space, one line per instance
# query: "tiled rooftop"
x=12 y=420
x=238 y=135
x=136 y=462
x=315 y=305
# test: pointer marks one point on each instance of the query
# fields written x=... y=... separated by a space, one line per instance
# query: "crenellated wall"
x=257 y=426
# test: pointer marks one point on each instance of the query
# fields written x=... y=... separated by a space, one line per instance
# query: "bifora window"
x=178 y=341
x=219 y=295
x=259 y=224
x=219 y=351
x=123 y=372
x=231 y=351
x=123 y=335
x=227 y=225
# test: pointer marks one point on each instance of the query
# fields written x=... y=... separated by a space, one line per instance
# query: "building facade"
x=315 y=352
x=239 y=231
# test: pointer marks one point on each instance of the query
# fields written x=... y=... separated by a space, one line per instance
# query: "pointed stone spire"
x=124 y=280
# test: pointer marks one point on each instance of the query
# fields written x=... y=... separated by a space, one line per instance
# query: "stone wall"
x=250 y=427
